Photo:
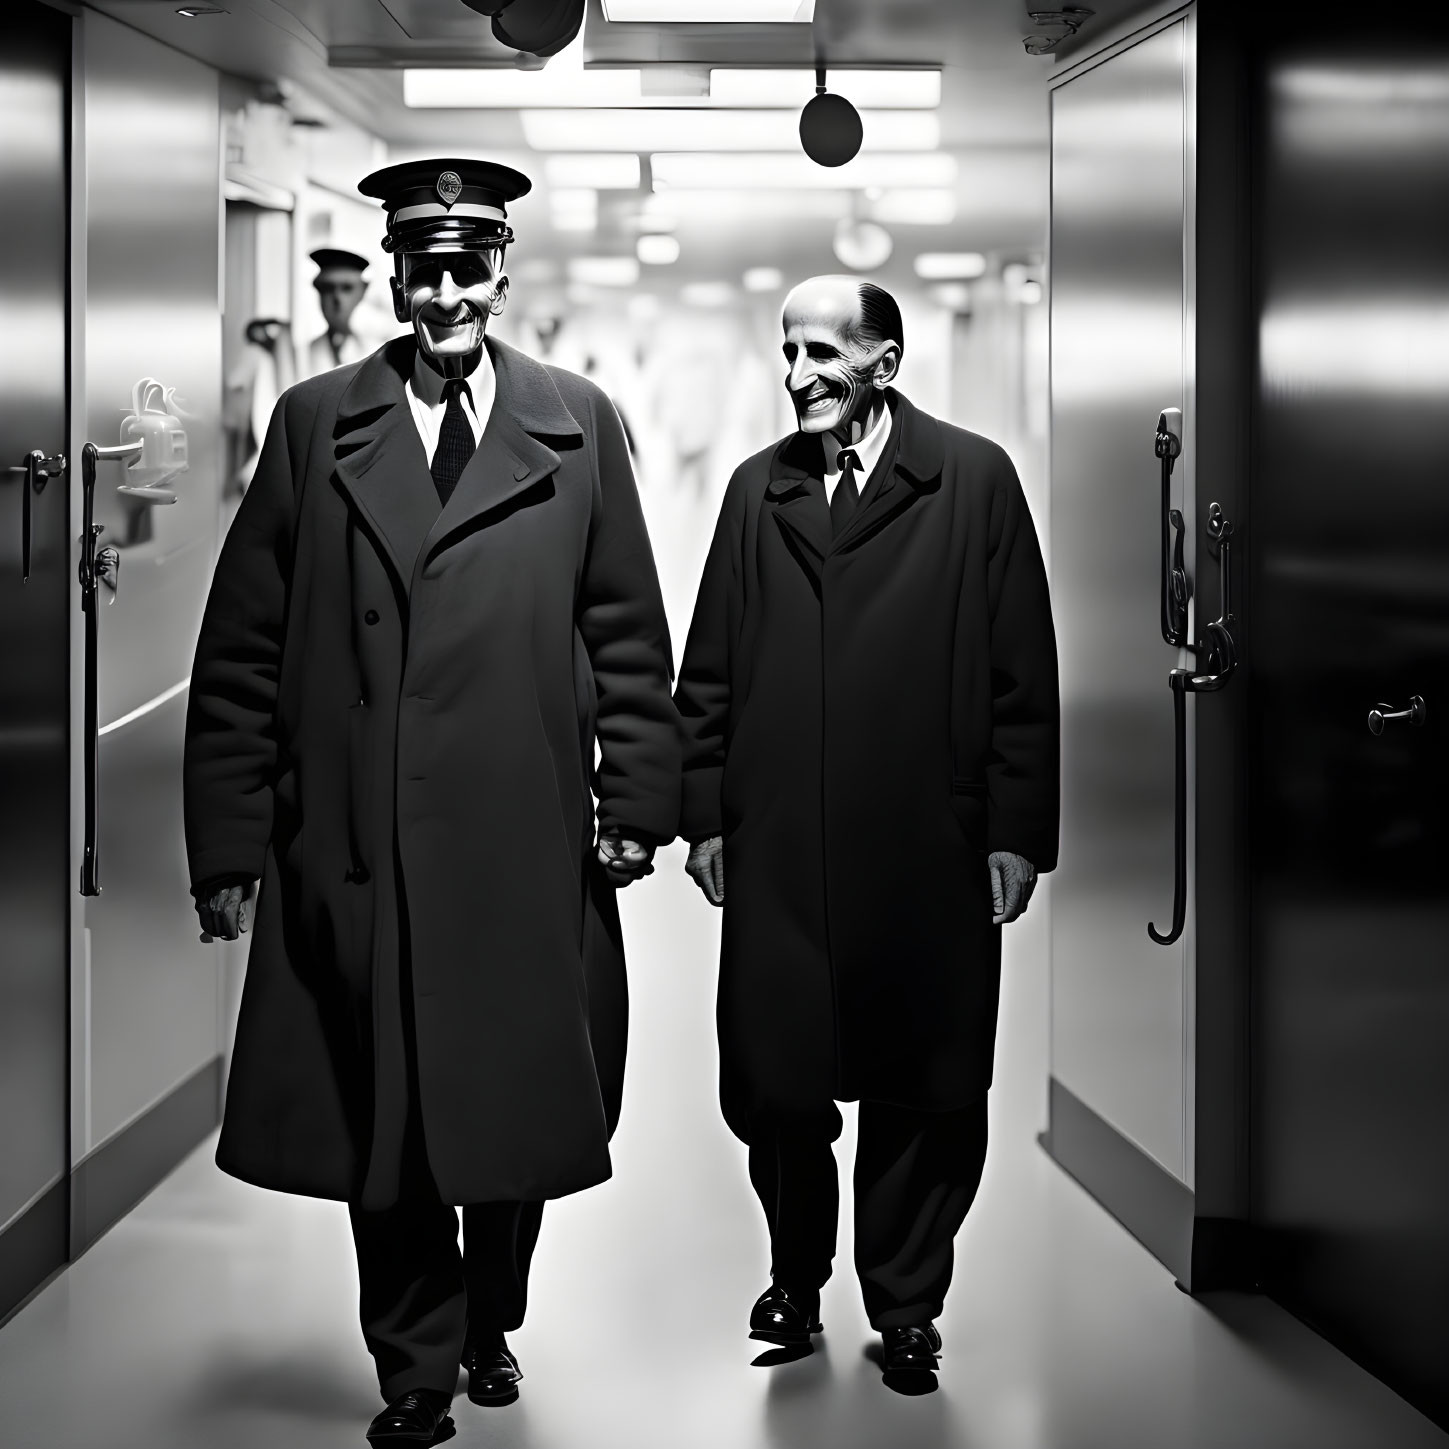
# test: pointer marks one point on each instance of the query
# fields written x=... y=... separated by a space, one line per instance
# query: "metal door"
x=34 y=649
x=1351 y=614
x=1120 y=344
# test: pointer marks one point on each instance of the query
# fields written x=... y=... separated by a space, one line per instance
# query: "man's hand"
x=706 y=866
x=1013 y=878
x=223 y=911
x=624 y=860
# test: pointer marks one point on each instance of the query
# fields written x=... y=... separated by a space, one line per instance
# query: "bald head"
x=843 y=343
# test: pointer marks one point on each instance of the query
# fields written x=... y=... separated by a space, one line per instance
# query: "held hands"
x=706 y=866
x=223 y=911
x=624 y=860
x=1013 y=878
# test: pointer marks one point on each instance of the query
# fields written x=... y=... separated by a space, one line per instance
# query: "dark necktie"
x=455 y=440
x=843 y=500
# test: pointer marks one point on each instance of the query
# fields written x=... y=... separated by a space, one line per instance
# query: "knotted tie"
x=846 y=495
x=455 y=440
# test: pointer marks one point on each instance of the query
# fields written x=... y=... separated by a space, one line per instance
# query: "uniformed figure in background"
x=437 y=595
x=870 y=711
x=339 y=285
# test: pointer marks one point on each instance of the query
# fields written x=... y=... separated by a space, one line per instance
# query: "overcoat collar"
x=915 y=469
x=384 y=471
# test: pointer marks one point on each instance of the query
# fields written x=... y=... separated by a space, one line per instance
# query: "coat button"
x=370 y=617
x=359 y=875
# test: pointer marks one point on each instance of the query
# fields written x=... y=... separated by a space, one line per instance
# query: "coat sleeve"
x=230 y=759
x=703 y=694
x=622 y=622
x=1023 y=771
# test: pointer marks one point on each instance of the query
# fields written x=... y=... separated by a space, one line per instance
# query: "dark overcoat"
x=865 y=719
x=392 y=723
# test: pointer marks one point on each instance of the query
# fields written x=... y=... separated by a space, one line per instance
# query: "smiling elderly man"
x=869 y=701
x=437 y=595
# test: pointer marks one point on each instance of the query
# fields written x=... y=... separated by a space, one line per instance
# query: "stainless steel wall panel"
x=1351 y=607
x=1119 y=349
x=147 y=990
x=34 y=748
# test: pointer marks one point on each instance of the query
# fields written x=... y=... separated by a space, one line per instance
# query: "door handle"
x=38 y=469
x=1219 y=650
x=1176 y=587
x=1382 y=714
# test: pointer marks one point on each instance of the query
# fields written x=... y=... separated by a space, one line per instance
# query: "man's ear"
x=887 y=365
x=399 y=300
x=500 y=295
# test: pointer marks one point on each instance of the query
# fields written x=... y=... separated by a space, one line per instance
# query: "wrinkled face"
x=832 y=378
x=339 y=290
x=448 y=297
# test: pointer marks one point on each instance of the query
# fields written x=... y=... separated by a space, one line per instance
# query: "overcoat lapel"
x=796 y=496
x=511 y=456
x=380 y=461
x=913 y=457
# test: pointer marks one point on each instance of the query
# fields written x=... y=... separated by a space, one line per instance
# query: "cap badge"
x=450 y=187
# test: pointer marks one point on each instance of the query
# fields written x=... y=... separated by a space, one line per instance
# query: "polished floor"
x=221 y=1316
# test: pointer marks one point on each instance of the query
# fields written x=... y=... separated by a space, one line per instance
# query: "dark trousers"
x=916 y=1175
x=421 y=1298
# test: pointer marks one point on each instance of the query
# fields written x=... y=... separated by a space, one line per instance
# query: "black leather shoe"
x=785 y=1316
x=419 y=1417
x=910 y=1350
x=493 y=1372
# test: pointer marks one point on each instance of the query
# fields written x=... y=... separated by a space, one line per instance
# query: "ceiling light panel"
x=698 y=130
x=913 y=206
x=604 y=271
x=601 y=172
x=950 y=266
x=710 y=12
x=895 y=90
x=746 y=171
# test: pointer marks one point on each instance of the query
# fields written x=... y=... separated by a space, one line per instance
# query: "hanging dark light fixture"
x=830 y=128
x=536 y=27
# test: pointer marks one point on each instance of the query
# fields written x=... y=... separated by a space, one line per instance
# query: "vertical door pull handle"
x=37 y=468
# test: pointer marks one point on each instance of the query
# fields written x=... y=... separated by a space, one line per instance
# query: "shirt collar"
x=427 y=385
x=868 y=449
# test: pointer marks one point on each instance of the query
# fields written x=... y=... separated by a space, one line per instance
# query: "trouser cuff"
x=913 y=1315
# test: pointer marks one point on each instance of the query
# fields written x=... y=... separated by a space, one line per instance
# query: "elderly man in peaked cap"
x=437 y=597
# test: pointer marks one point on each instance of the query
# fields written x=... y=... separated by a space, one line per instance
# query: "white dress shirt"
x=868 y=450
x=425 y=398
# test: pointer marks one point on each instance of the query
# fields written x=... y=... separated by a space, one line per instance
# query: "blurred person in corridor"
x=869 y=705
x=437 y=596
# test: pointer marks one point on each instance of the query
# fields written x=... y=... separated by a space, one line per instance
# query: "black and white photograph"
x=722 y=725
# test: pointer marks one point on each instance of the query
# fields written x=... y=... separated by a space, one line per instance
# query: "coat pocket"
x=968 y=804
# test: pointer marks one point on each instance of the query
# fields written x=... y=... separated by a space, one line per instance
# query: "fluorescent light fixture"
x=919 y=206
x=536 y=269
x=701 y=130
x=573 y=199
x=747 y=171
x=561 y=85
x=892 y=90
x=953 y=296
x=706 y=294
x=604 y=271
x=710 y=12
x=725 y=205
x=495 y=88
x=763 y=279
x=601 y=172
x=950 y=266
x=658 y=250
